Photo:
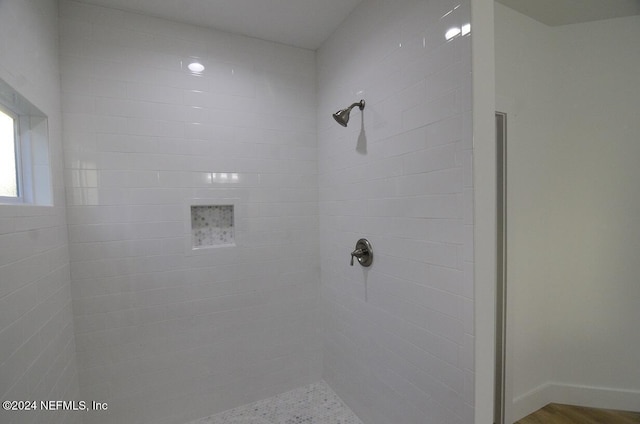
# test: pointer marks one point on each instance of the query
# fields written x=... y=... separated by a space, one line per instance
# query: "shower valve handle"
x=358 y=253
x=363 y=252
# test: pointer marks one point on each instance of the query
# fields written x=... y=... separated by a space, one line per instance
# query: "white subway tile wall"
x=37 y=349
x=398 y=336
x=163 y=336
x=166 y=337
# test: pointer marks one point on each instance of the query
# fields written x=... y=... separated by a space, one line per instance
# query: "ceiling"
x=563 y=12
x=301 y=23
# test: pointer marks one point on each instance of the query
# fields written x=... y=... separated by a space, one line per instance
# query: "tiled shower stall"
x=197 y=256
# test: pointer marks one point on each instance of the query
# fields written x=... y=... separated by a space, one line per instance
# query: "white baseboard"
x=595 y=397
x=529 y=402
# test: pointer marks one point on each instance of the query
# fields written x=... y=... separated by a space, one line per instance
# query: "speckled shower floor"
x=312 y=404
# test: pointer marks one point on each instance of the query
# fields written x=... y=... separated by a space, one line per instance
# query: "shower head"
x=342 y=116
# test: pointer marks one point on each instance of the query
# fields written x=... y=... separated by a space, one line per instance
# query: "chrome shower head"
x=342 y=116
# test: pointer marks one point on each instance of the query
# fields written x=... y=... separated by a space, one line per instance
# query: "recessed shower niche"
x=212 y=226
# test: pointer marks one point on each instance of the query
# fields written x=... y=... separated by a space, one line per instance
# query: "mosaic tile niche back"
x=212 y=226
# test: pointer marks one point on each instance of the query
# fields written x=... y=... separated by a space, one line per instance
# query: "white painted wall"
x=572 y=211
x=163 y=335
x=37 y=350
x=484 y=207
x=526 y=90
x=600 y=341
x=399 y=336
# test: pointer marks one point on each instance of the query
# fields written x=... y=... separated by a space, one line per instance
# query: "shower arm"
x=360 y=105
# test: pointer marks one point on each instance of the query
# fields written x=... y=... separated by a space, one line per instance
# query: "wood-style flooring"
x=555 y=413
